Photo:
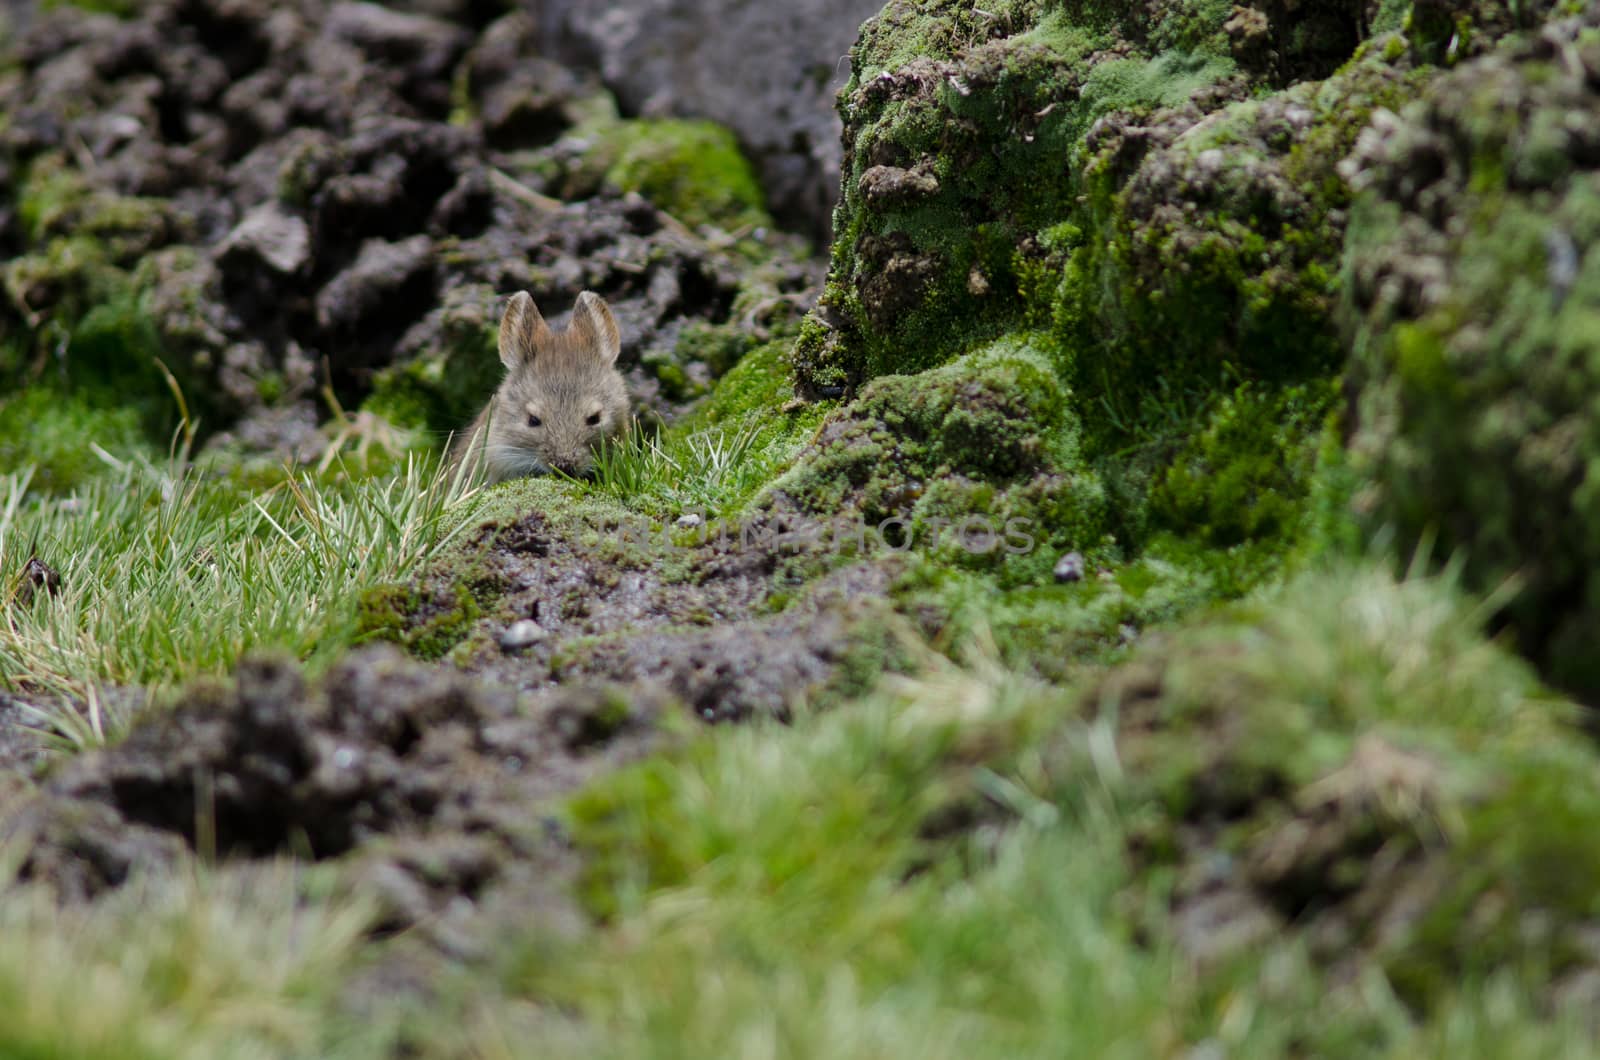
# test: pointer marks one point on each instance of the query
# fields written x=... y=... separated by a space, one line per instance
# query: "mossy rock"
x=693 y=170
x=1211 y=252
x=1166 y=230
x=1476 y=332
x=955 y=154
x=976 y=462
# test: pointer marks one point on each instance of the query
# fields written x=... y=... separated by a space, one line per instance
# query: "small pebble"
x=519 y=635
x=1069 y=568
x=689 y=522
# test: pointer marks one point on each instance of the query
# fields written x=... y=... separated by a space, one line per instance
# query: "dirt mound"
x=271 y=764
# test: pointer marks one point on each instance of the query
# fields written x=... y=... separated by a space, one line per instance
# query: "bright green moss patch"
x=441 y=391
x=426 y=625
x=693 y=170
x=58 y=436
x=120 y=8
x=1244 y=476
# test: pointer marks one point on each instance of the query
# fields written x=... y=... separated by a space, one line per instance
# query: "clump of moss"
x=82 y=292
x=693 y=170
x=977 y=461
x=427 y=625
x=55 y=433
x=441 y=390
x=1476 y=333
x=119 y=8
x=1352 y=754
x=1211 y=254
x=1243 y=476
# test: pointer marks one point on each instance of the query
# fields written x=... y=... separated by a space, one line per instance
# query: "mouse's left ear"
x=592 y=319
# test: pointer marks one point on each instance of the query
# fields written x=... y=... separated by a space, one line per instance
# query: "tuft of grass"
x=196 y=966
x=710 y=470
x=167 y=573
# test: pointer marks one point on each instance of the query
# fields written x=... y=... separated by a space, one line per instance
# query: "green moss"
x=976 y=462
x=56 y=434
x=949 y=170
x=1473 y=406
x=428 y=625
x=56 y=201
x=1245 y=475
x=693 y=170
x=442 y=390
x=1251 y=295
x=119 y=8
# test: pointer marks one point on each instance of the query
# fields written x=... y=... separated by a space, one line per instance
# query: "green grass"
x=958 y=865
x=201 y=966
x=61 y=436
x=168 y=572
x=707 y=470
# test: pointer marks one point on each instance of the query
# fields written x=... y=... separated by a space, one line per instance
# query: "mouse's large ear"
x=592 y=319
x=522 y=329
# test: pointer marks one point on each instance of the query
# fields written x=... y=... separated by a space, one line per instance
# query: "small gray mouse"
x=561 y=396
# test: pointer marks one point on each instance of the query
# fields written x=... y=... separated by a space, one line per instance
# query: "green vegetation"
x=693 y=170
x=1478 y=433
x=441 y=391
x=1221 y=783
x=64 y=438
x=167 y=573
x=929 y=869
x=120 y=8
x=201 y=967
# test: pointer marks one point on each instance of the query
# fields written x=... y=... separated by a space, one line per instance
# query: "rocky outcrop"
x=276 y=197
x=767 y=71
x=1474 y=268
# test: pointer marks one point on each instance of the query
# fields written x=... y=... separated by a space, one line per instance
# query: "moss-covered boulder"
x=1206 y=254
x=991 y=152
x=1474 y=292
x=976 y=462
x=1146 y=201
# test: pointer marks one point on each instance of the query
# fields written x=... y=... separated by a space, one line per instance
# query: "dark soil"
x=437 y=787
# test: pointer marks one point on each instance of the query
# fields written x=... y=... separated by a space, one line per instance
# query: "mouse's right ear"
x=522 y=329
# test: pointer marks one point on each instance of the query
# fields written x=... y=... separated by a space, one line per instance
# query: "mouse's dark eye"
x=534 y=421
x=593 y=420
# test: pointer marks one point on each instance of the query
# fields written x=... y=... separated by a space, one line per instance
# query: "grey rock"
x=521 y=635
x=273 y=236
x=370 y=285
x=768 y=71
x=1069 y=568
